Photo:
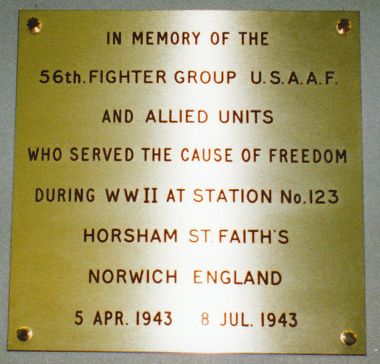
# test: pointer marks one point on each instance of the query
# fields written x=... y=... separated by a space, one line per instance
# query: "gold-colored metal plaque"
x=188 y=181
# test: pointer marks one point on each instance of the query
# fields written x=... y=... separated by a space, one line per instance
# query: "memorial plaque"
x=188 y=181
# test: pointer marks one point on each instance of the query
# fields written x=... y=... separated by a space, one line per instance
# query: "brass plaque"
x=188 y=181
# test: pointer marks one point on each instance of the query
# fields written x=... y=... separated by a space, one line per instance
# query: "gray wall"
x=370 y=54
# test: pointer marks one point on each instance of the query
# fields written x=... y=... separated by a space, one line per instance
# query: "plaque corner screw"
x=343 y=26
x=34 y=25
x=24 y=333
x=348 y=337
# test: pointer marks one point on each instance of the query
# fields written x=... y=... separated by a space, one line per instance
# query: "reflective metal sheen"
x=188 y=181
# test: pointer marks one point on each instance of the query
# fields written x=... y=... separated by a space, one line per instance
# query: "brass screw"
x=34 y=25
x=348 y=338
x=343 y=26
x=24 y=333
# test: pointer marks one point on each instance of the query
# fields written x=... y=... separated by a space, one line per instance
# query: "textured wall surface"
x=370 y=55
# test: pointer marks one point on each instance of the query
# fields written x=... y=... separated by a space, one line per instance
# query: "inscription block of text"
x=188 y=181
